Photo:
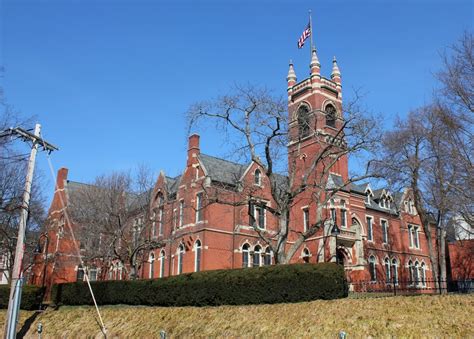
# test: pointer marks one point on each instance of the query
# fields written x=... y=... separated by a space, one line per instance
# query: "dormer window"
x=258 y=177
x=330 y=116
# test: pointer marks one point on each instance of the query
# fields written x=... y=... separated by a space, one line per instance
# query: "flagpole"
x=311 y=35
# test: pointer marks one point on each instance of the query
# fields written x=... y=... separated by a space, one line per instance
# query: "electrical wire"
x=68 y=223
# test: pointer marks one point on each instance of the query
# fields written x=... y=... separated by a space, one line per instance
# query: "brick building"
x=380 y=235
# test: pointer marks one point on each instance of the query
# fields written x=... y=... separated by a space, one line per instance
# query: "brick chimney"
x=193 y=149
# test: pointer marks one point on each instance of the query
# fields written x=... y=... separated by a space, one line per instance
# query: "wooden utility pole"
x=16 y=278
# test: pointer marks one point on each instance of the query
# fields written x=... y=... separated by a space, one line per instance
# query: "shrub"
x=31 y=297
x=260 y=285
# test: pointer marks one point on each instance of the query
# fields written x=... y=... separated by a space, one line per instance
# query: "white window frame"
x=160 y=221
x=181 y=213
x=374 y=261
x=305 y=219
x=161 y=258
x=247 y=252
x=257 y=178
x=197 y=253
x=257 y=254
x=370 y=227
x=199 y=211
x=181 y=251
x=385 y=233
x=151 y=260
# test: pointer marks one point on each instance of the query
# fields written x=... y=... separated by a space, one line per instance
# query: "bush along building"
x=224 y=215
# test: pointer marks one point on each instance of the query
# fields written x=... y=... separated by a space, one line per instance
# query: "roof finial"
x=314 y=58
x=291 y=78
x=336 y=73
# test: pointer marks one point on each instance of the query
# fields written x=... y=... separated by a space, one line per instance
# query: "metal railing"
x=382 y=288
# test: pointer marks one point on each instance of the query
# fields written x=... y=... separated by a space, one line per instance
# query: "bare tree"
x=432 y=150
x=255 y=124
x=113 y=215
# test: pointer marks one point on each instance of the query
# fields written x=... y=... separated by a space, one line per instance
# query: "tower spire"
x=291 y=78
x=336 y=73
x=314 y=65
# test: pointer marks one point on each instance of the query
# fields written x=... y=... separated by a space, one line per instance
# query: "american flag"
x=304 y=36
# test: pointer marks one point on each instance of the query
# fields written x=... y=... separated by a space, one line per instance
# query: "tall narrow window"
x=93 y=274
x=305 y=219
x=80 y=273
x=387 y=271
x=152 y=266
x=180 y=258
x=395 y=271
x=306 y=255
x=153 y=224
x=162 y=263
x=333 y=215
x=411 y=271
x=384 y=231
x=197 y=256
x=343 y=214
x=370 y=231
x=303 y=122
x=410 y=235
x=416 y=239
x=330 y=116
x=245 y=255
x=268 y=257
x=199 y=207
x=181 y=213
x=257 y=214
x=416 y=271
x=372 y=270
x=258 y=177
x=423 y=274
x=257 y=253
x=160 y=221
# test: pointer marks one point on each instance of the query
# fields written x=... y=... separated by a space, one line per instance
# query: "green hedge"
x=31 y=297
x=262 y=285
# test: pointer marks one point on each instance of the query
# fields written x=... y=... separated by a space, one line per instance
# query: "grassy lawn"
x=419 y=316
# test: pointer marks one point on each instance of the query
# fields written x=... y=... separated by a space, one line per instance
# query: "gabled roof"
x=173 y=184
x=220 y=170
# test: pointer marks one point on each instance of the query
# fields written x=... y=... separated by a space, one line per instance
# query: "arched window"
x=268 y=257
x=153 y=223
x=245 y=255
x=395 y=271
x=258 y=177
x=416 y=272
x=180 y=258
x=197 y=256
x=387 y=271
x=257 y=253
x=306 y=255
x=152 y=266
x=119 y=271
x=330 y=116
x=162 y=263
x=423 y=274
x=411 y=272
x=373 y=272
x=303 y=122
x=80 y=273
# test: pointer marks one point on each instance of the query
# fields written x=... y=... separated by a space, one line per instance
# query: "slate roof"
x=173 y=184
x=224 y=171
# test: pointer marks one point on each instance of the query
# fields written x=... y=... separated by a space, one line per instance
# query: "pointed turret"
x=314 y=65
x=291 y=78
x=336 y=73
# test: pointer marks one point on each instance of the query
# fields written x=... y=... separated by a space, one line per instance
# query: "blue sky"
x=110 y=81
